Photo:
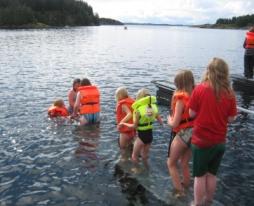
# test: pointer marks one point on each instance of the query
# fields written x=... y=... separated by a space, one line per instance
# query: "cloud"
x=171 y=11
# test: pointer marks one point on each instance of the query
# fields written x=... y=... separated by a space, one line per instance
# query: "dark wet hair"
x=85 y=82
x=75 y=81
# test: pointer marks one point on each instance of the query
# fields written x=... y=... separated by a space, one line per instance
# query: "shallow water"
x=48 y=163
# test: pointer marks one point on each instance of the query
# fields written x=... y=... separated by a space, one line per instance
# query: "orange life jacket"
x=54 y=111
x=89 y=100
x=186 y=121
x=120 y=114
x=249 y=40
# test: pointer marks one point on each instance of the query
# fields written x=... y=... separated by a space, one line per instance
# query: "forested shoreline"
x=240 y=22
x=46 y=13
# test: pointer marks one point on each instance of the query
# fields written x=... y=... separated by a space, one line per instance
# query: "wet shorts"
x=146 y=136
x=206 y=159
x=91 y=118
x=185 y=135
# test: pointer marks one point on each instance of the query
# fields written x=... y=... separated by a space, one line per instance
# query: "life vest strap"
x=145 y=124
x=90 y=103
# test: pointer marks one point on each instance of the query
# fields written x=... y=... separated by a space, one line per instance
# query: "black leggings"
x=248 y=66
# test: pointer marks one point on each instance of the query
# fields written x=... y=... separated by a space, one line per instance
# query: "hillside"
x=46 y=13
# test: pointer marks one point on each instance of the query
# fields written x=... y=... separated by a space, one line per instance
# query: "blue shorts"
x=91 y=118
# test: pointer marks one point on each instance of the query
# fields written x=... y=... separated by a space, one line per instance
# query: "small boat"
x=241 y=83
x=164 y=91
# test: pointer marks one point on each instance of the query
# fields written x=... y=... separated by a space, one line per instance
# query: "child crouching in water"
x=124 y=115
x=58 y=109
x=145 y=113
x=179 y=147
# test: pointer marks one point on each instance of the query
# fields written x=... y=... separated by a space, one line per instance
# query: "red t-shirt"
x=210 y=124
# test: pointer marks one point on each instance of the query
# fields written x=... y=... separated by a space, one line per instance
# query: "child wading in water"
x=145 y=113
x=213 y=104
x=124 y=115
x=58 y=109
x=179 y=146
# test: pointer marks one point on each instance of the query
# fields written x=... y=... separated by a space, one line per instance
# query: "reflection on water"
x=58 y=163
x=88 y=140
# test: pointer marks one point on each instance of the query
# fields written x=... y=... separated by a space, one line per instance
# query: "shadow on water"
x=135 y=192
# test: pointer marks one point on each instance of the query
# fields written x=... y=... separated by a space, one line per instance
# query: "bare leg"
x=211 y=182
x=176 y=150
x=199 y=189
x=185 y=167
x=138 y=145
x=145 y=153
x=124 y=142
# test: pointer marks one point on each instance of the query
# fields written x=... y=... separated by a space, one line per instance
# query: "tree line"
x=240 y=21
x=48 y=12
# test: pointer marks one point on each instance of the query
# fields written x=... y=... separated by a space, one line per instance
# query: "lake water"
x=44 y=163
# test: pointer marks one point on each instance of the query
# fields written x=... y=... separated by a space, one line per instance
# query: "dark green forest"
x=240 y=21
x=14 y=13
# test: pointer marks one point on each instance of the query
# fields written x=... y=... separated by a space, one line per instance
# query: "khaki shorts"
x=185 y=135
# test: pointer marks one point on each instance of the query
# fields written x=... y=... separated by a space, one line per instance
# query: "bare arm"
x=128 y=113
x=231 y=119
x=192 y=113
x=70 y=98
x=176 y=119
x=159 y=119
x=135 y=123
x=76 y=105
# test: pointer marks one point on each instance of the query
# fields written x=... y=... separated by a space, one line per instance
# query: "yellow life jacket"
x=148 y=112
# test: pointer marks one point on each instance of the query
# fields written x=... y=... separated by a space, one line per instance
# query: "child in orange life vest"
x=124 y=114
x=179 y=147
x=145 y=113
x=58 y=109
x=87 y=104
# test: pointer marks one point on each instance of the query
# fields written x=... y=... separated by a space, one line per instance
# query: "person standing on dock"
x=249 y=53
x=213 y=104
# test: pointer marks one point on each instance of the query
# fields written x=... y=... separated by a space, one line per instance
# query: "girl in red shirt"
x=213 y=104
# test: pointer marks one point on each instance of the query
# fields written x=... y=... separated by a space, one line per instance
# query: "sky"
x=171 y=11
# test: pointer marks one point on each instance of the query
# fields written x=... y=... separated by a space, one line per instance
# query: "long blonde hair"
x=217 y=75
x=184 y=81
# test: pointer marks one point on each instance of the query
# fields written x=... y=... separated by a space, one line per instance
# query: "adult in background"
x=249 y=53
x=87 y=103
x=213 y=104
x=72 y=94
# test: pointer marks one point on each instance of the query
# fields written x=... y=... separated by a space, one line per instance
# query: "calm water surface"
x=45 y=163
